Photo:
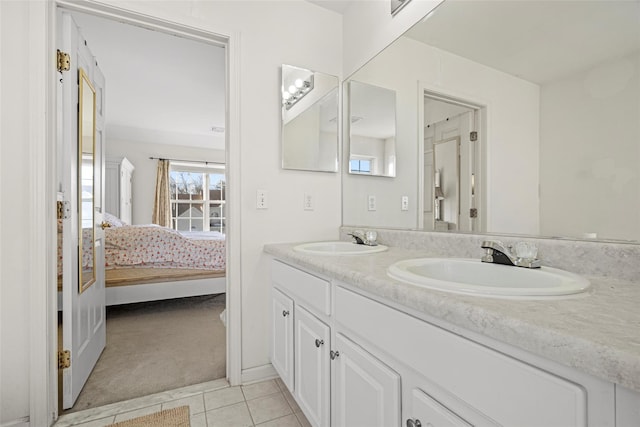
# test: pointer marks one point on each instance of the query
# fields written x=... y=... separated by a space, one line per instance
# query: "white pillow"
x=113 y=220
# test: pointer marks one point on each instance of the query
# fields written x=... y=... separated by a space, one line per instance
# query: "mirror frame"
x=84 y=83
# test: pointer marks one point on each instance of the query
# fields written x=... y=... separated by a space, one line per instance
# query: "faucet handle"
x=370 y=238
x=526 y=250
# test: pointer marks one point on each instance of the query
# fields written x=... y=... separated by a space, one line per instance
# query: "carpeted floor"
x=157 y=346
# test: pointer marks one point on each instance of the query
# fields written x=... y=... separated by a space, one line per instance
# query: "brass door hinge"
x=473 y=136
x=473 y=213
x=63 y=209
x=64 y=61
x=64 y=359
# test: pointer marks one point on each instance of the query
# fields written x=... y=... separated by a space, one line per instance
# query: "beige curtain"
x=162 y=202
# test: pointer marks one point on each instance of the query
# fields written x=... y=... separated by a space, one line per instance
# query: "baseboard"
x=20 y=422
x=259 y=373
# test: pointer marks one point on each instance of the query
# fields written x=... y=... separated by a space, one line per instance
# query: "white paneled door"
x=80 y=165
x=312 y=364
x=282 y=336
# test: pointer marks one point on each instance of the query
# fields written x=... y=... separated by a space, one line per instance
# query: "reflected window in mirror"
x=360 y=166
x=309 y=120
x=372 y=130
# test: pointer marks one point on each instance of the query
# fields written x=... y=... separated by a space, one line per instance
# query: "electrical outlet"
x=404 y=203
x=308 y=202
x=261 y=199
x=371 y=203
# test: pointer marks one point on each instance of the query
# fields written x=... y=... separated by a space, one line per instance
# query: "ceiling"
x=160 y=88
x=538 y=41
x=334 y=5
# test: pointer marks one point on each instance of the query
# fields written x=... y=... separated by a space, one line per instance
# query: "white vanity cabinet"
x=334 y=381
x=301 y=339
x=359 y=361
x=450 y=380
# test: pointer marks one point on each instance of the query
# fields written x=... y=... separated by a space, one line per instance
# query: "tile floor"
x=211 y=404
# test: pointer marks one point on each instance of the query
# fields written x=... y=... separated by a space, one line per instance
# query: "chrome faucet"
x=364 y=238
x=523 y=256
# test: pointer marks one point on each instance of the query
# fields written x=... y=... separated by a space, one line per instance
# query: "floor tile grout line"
x=253 y=421
x=275 y=419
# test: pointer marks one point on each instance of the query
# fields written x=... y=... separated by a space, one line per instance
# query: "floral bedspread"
x=152 y=245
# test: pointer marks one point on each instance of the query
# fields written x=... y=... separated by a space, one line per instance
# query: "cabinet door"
x=366 y=392
x=427 y=411
x=282 y=336
x=312 y=365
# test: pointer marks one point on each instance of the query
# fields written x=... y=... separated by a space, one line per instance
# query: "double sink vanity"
x=473 y=121
x=420 y=332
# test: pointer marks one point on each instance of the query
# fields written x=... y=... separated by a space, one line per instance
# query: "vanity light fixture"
x=217 y=129
x=296 y=91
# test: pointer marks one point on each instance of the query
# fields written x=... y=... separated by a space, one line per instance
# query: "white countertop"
x=597 y=333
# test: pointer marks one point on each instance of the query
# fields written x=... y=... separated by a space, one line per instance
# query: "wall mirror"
x=309 y=120
x=372 y=130
x=552 y=90
x=86 y=199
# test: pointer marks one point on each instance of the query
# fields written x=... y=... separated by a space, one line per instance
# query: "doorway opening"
x=452 y=164
x=192 y=320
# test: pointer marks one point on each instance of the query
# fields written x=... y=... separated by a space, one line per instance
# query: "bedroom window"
x=197 y=197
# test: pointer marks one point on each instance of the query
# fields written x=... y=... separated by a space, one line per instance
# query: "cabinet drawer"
x=307 y=289
x=507 y=390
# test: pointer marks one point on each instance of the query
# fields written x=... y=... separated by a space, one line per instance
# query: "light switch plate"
x=371 y=203
x=404 y=203
x=261 y=199
x=308 y=202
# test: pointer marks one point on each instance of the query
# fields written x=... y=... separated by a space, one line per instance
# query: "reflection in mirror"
x=372 y=130
x=86 y=200
x=309 y=120
x=557 y=89
x=448 y=145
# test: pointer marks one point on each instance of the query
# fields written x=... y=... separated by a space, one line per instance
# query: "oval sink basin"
x=338 y=248
x=473 y=277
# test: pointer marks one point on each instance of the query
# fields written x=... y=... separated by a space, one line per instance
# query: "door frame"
x=484 y=110
x=43 y=308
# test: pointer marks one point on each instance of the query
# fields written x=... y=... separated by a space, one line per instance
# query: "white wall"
x=302 y=136
x=144 y=176
x=512 y=149
x=590 y=131
x=271 y=33
x=369 y=27
x=14 y=208
x=27 y=194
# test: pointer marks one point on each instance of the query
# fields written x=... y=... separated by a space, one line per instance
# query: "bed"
x=149 y=262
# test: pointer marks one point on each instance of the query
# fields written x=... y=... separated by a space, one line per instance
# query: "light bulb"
x=299 y=83
x=292 y=89
x=286 y=95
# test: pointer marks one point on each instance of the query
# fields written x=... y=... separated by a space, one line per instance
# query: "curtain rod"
x=188 y=161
